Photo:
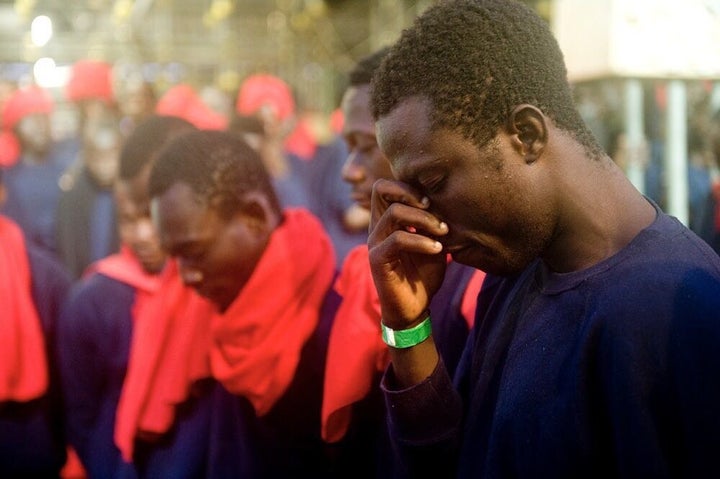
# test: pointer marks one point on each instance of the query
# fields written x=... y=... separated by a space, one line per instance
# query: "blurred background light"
x=41 y=30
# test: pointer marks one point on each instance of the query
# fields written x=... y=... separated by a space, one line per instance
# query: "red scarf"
x=469 y=299
x=716 y=194
x=356 y=351
x=23 y=361
x=168 y=353
x=125 y=267
x=258 y=340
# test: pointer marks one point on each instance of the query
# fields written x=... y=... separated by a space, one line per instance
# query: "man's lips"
x=361 y=199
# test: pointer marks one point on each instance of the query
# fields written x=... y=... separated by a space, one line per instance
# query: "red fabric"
x=73 y=468
x=168 y=353
x=301 y=141
x=716 y=194
x=184 y=102
x=262 y=89
x=337 y=121
x=90 y=80
x=125 y=268
x=22 y=102
x=469 y=300
x=355 y=351
x=9 y=148
x=258 y=340
x=23 y=361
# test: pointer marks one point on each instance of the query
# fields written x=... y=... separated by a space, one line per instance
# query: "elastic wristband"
x=406 y=338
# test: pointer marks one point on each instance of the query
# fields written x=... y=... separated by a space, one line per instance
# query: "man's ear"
x=257 y=213
x=528 y=127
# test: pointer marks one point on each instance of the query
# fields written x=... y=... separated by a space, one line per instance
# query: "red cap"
x=262 y=89
x=182 y=101
x=22 y=102
x=90 y=80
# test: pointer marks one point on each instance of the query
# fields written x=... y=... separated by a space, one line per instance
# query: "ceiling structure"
x=310 y=43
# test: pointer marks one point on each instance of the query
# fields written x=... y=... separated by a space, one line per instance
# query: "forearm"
x=424 y=422
x=413 y=365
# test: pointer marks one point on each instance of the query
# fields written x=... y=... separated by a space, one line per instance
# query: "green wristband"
x=406 y=338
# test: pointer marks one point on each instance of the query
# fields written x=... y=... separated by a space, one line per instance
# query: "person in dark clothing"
x=596 y=346
x=353 y=416
x=269 y=271
x=86 y=223
x=710 y=219
x=115 y=327
x=35 y=164
x=33 y=286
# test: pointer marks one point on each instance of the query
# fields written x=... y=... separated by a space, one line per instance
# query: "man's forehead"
x=405 y=129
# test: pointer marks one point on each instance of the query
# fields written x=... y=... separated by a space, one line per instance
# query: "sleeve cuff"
x=426 y=412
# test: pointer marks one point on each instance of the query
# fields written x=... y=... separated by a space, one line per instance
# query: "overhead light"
x=48 y=75
x=41 y=30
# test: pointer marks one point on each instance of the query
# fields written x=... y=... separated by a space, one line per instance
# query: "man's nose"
x=352 y=171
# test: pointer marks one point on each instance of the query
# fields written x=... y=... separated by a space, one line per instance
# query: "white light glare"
x=49 y=75
x=41 y=30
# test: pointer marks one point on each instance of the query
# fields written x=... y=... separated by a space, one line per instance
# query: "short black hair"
x=363 y=71
x=217 y=165
x=246 y=124
x=475 y=60
x=146 y=140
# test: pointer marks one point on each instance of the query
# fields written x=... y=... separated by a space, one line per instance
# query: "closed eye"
x=433 y=184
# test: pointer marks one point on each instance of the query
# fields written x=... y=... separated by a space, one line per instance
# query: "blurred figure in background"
x=35 y=164
x=305 y=171
x=268 y=99
x=353 y=413
x=136 y=99
x=184 y=102
x=709 y=228
x=33 y=286
x=133 y=407
x=86 y=227
x=269 y=271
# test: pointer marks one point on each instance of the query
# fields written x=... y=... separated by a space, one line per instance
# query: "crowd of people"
x=459 y=283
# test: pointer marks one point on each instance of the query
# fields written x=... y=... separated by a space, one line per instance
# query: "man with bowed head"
x=595 y=352
x=269 y=272
x=353 y=415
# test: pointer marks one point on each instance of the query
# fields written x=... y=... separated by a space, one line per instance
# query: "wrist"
x=409 y=337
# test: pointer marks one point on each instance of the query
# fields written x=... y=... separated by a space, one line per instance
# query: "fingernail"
x=443 y=225
x=425 y=200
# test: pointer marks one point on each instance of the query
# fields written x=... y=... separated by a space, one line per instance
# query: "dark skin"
x=134 y=221
x=216 y=252
x=531 y=192
x=35 y=137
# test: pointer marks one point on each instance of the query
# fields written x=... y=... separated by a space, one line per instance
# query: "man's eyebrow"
x=410 y=171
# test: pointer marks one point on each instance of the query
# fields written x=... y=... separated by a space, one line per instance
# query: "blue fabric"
x=94 y=343
x=80 y=237
x=33 y=194
x=330 y=196
x=291 y=189
x=31 y=435
x=606 y=372
x=102 y=226
x=285 y=442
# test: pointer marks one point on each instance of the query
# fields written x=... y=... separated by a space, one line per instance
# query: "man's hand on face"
x=406 y=256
